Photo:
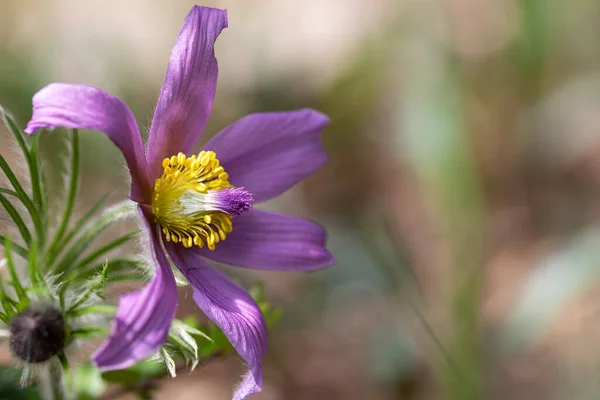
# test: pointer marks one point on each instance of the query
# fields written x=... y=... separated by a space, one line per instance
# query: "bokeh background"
x=462 y=195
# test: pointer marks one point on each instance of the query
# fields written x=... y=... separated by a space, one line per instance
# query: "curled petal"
x=80 y=106
x=267 y=153
x=231 y=308
x=265 y=240
x=142 y=320
x=188 y=92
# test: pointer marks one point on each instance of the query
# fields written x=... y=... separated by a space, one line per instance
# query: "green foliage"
x=90 y=234
x=77 y=227
x=87 y=382
x=30 y=154
x=137 y=379
x=17 y=219
x=169 y=362
x=11 y=389
x=272 y=315
x=73 y=185
x=107 y=248
x=15 y=281
x=184 y=338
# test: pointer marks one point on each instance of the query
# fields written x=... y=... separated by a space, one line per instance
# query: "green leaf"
x=95 y=288
x=273 y=316
x=89 y=332
x=91 y=233
x=219 y=343
x=37 y=183
x=15 y=130
x=169 y=363
x=72 y=193
x=23 y=197
x=105 y=249
x=77 y=228
x=185 y=341
x=88 y=215
x=9 y=192
x=14 y=214
x=15 y=281
x=12 y=178
x=139 y=372
x=93 y=309
x=120 y=265
x=11 y=388
x=88 y=382
x=8 y=304
x=137 y=378
x=126 y=278
x=181 y=338
x=192 y=330
x=35 y=273
x=257 y=292
x=31 y=158
x=17 y=249
x=40 y=292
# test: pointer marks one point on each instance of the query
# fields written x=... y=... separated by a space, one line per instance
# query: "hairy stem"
x=52 y=381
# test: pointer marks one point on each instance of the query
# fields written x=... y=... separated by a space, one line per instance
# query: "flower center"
x=194 y=202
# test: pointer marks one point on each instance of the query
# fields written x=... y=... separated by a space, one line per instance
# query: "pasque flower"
x=197 y=208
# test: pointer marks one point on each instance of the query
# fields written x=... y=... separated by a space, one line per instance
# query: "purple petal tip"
x=200 y=9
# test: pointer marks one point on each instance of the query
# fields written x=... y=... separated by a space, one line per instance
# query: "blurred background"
x=462 y=195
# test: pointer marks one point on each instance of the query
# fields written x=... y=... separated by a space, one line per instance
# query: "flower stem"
x=52 y=381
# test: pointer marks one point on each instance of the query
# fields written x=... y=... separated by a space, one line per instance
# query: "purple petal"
x=265 y=240
x=231 y=308
x=143 y=318
x=188 y=92
x=80 y=106
x=270 y=152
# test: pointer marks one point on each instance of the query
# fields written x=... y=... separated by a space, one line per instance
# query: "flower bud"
x=37 y=334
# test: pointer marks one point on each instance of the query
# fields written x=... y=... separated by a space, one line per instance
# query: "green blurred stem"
x=437 y=140
x=463 y=379
x=531 y=46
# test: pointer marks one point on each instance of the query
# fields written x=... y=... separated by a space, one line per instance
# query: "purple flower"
x=197 y=208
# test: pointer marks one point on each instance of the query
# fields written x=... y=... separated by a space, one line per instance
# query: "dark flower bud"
x=37 y=334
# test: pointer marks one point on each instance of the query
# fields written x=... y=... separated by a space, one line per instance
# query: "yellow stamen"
x=178 y=199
